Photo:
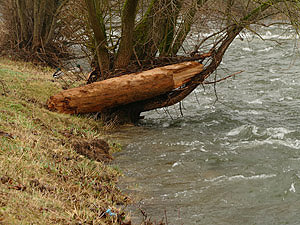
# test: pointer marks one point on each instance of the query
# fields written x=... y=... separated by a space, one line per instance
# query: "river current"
x=231 y=161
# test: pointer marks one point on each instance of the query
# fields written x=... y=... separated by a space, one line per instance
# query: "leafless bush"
x=46 y=32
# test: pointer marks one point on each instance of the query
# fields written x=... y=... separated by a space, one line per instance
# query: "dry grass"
x=43 y=180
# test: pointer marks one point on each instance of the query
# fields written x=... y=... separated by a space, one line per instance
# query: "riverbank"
x=47 y=174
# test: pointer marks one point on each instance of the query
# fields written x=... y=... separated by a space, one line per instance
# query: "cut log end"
x=60 y=104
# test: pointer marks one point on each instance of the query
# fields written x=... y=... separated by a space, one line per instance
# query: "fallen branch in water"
x=224 y=78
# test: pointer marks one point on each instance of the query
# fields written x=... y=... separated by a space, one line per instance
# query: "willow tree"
x=141 y=34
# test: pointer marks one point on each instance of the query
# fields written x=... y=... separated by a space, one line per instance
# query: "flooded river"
x=231 y=161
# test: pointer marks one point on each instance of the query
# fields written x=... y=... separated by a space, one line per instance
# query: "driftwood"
x=123 y=90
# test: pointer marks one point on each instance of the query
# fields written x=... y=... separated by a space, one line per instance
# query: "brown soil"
x=97 y=149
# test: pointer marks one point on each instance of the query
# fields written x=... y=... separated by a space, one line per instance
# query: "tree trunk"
x=21 y=7
x=143 y=34
x=97 y=24
x=114 y=92
x=156 y=30
x=126 y=44
x=38 y=17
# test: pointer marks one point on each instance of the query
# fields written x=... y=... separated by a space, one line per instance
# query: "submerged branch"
x=222 y=79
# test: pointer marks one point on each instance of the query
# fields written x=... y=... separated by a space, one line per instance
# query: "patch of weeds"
x=115 y=147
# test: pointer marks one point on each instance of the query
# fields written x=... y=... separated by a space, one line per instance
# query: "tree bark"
x=143 y=34
x=126 y=44
x=123 y=90
x=156 y=30
x=21 y=7
x=97 y=24
x=38 y=16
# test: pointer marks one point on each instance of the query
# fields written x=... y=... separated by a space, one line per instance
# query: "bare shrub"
x=41 y=31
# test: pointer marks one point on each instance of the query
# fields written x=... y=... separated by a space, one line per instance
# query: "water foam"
x=239 y=177
x=255 y=177
x=239 y=130
x=256 y=101
x=267 y=49
x=278 y=132
x=292 y=188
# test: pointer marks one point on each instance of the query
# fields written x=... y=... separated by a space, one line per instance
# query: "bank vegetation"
x=54 y=168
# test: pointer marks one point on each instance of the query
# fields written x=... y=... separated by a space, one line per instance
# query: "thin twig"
x=224 y=78
x=137 y=59
x=166 y=217
x=208 y=37
x=168 y=113
x=183 y=105
x=180 y=109
x=215 y=89
x=143 y=213
x=196 y=98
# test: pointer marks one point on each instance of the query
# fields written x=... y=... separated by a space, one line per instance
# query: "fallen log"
x=122 y=90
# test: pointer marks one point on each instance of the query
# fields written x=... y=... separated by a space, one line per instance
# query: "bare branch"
x=224 y=78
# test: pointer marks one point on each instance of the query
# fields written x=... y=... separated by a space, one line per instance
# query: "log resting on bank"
x=123 y=90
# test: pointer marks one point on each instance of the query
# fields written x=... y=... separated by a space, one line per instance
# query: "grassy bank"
x=48 y=174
